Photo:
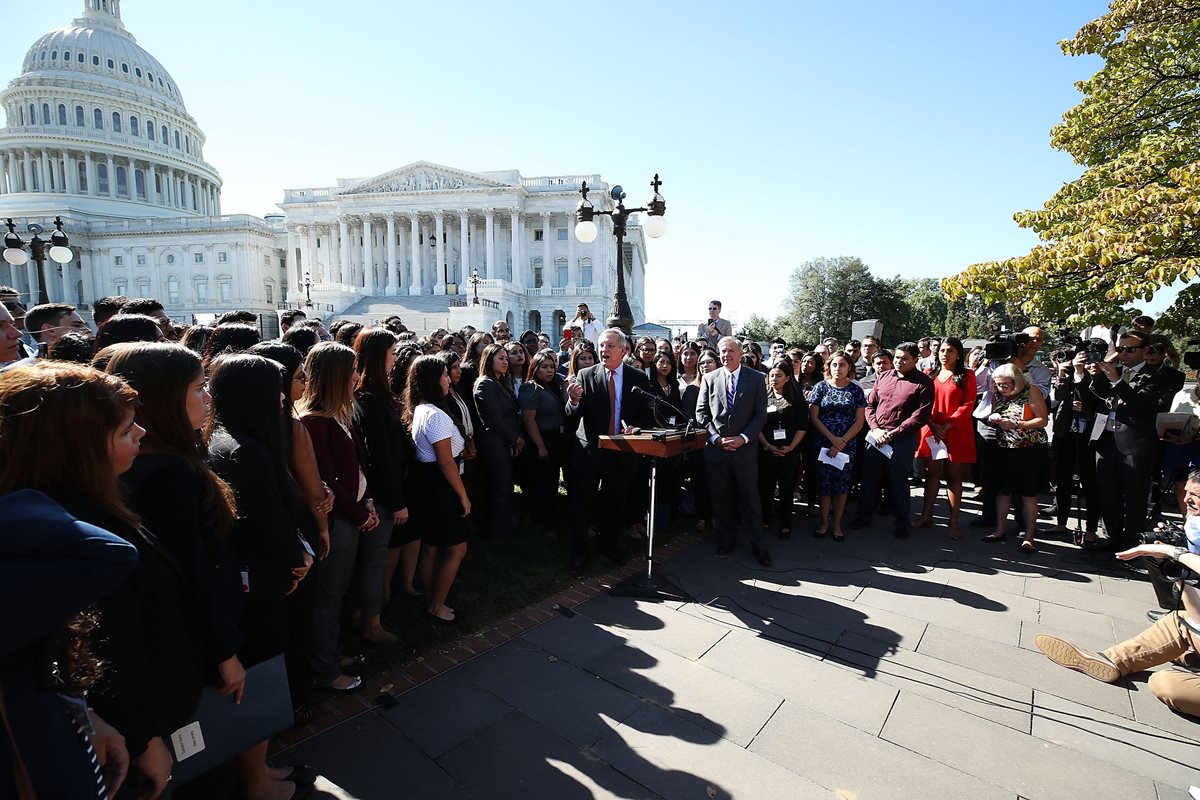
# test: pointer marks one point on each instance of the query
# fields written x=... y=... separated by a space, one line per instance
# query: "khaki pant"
x=1164 y=641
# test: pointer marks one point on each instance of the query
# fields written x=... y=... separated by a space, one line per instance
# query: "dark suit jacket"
x=51 y=568
x=498 y=411
x=264 y=537
x=1135 y=405
x=594 y=408
x=749 y=410
x=383 y=437
x=1064 y=392
x=339 y=458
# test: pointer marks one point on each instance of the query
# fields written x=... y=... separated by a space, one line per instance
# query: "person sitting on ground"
x=1168 y=640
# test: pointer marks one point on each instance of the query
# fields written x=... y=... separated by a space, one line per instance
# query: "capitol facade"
x=97 y=132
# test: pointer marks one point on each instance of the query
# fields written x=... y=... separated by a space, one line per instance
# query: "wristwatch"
x=1178 y=553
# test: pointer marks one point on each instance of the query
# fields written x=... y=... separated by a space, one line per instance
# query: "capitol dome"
x=93 y=114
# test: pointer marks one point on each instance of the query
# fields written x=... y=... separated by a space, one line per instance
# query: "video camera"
x=1003 y=345
x=1173 y=535
x=1096 y=350
x=1192 y=357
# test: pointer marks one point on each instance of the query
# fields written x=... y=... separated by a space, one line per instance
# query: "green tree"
x=826 y=295
x=758 y=328
x=1130 y=224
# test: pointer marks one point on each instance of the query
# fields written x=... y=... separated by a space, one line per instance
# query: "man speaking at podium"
x=603 y=395
x=733 y=407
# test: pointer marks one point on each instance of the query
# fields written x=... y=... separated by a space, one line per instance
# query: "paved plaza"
x=874 y=668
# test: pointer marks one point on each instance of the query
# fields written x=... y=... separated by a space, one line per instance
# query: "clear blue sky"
x=904 y=133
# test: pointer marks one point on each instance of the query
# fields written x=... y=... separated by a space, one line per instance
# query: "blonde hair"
x=1018 y=377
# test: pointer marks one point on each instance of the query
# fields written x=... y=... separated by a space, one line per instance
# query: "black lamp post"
x=474 y=280
x=585 y=231
x=59 y=251
x=307 y=290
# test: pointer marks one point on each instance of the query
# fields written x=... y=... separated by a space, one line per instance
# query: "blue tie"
x=730 y=387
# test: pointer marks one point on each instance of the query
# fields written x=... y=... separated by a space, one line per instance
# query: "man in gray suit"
x=710 y=332
x=733 y=407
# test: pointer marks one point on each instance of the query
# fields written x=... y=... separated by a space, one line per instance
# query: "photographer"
x=1074 y=409
x=586 y=322
x=1168 y=639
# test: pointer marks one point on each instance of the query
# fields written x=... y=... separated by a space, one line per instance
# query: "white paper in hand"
x=187 y=741
x=884 y=450
x=937 y=450
x=837 y=462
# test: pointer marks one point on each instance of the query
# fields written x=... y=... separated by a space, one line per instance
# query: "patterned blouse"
x=1013 y=408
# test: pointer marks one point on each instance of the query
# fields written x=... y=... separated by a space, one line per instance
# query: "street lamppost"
x=59 y=251
x=308 y=290
x=585 y=231
x=474 y=280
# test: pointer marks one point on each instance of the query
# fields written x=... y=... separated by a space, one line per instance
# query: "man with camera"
x=1127 y=447
x=715 y=328
x=589 y=328
x=1170 y=638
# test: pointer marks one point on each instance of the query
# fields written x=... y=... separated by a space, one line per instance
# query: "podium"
x=656 y=445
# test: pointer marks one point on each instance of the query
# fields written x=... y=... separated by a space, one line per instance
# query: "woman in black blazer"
x=69 y=431
x=377 y=419
x=499 y=440
x=544 y=420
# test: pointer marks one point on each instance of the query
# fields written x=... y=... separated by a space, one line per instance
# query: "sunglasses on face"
x=1128 y=349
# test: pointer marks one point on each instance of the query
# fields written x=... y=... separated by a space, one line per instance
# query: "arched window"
x=158 y=185
x=66 y=55
x=98 y=119
x=122 y=182
x=150 y=77
x=83 y=187
x=62 y=114
x=54 y=56
x=164 y=139
x=187 y=144
x=95 y=61
x=150 y=130
x=137 y=71
x=176 y=140
x=79 y=116
x=32 y=114
x=116 y=115
x=111 y=65
x=45 y=113
x=560 y=273
x=537 y=273
x=172 y=289
x=139 y=183
x=102 y=178
x=133 y=126
x=124 y=68
x=80 y=58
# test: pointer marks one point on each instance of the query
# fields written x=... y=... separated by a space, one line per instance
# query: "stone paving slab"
x=816 y=746
x=517 y=758
x=887 y=626
x=1002 y=701
x=982 y=622
x=682 y=634
x=439 y=715
x=1136 y=748
x=677 y=759
x=1084 y=626
x=1030 y=767
x=1068 y=595
x=811 y=683
x=1149 y=710
x=1024 y=667
x=727 y=706
x=574 y=639
x=802 y=634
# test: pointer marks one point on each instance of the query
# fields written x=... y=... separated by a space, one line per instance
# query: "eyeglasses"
x=1130 y=349
x=1003 y=384
x=714 y=308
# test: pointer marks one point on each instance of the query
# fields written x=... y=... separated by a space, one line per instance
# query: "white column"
x=414 y=234
x=293 y=264
x=27 y=171
x=518 y=269
x=489 y=240
x=391 y=281
x=4 y=175
x=344 y=250
x=91 y=277
x=46 y=170
x=572 y=267
x=89 y=171
x=548 y=274
x=368 y=257
x=464 y=250
x=310 y=252
x=439 y=251
x=112 y=181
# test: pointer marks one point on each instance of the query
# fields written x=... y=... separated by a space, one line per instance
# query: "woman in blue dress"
x=838 y=409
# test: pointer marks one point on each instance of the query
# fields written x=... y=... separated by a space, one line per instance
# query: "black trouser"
x=878 y=469
x=541 y=484
x=777 y=472
x=1123 y=486
x=610 y=477
x=987 y=462
x=733 y=485
x=498 y=476
x=1074 y=456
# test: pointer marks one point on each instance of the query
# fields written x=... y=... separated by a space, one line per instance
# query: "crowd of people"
x=211 y=500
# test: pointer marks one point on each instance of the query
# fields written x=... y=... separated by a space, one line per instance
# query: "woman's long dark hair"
x=424 y=386
x=236 y=337
x=302 y=338
x=246 y=390
x=161 y=373
x=486 y=369
x=960 y=366
x=371 y=348
x=471 y=359
x=128 y=328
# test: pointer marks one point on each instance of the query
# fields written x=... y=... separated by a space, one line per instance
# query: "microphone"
x=656 y=400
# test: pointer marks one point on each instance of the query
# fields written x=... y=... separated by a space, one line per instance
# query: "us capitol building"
x=96 y=131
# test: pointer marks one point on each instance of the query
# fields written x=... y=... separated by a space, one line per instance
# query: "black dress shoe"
x=301 y=773
x=1154 y=615
x=764 y=558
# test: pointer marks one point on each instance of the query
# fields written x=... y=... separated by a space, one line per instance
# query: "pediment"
x=424 y=176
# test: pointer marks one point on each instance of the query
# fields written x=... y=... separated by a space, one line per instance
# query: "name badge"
x=1110 y=424
x=307 y=547
x=772 y=409
x=779 y=434
x=1080 y=425
x=671 y=421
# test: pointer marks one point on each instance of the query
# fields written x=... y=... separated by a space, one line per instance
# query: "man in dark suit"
x=1131 y=393
x=603 y=395
x=733 y=407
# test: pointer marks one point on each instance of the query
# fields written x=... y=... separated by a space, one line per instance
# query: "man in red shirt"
x=899 y=404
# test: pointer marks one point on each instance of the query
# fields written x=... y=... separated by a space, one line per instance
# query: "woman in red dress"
x=951 y=425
